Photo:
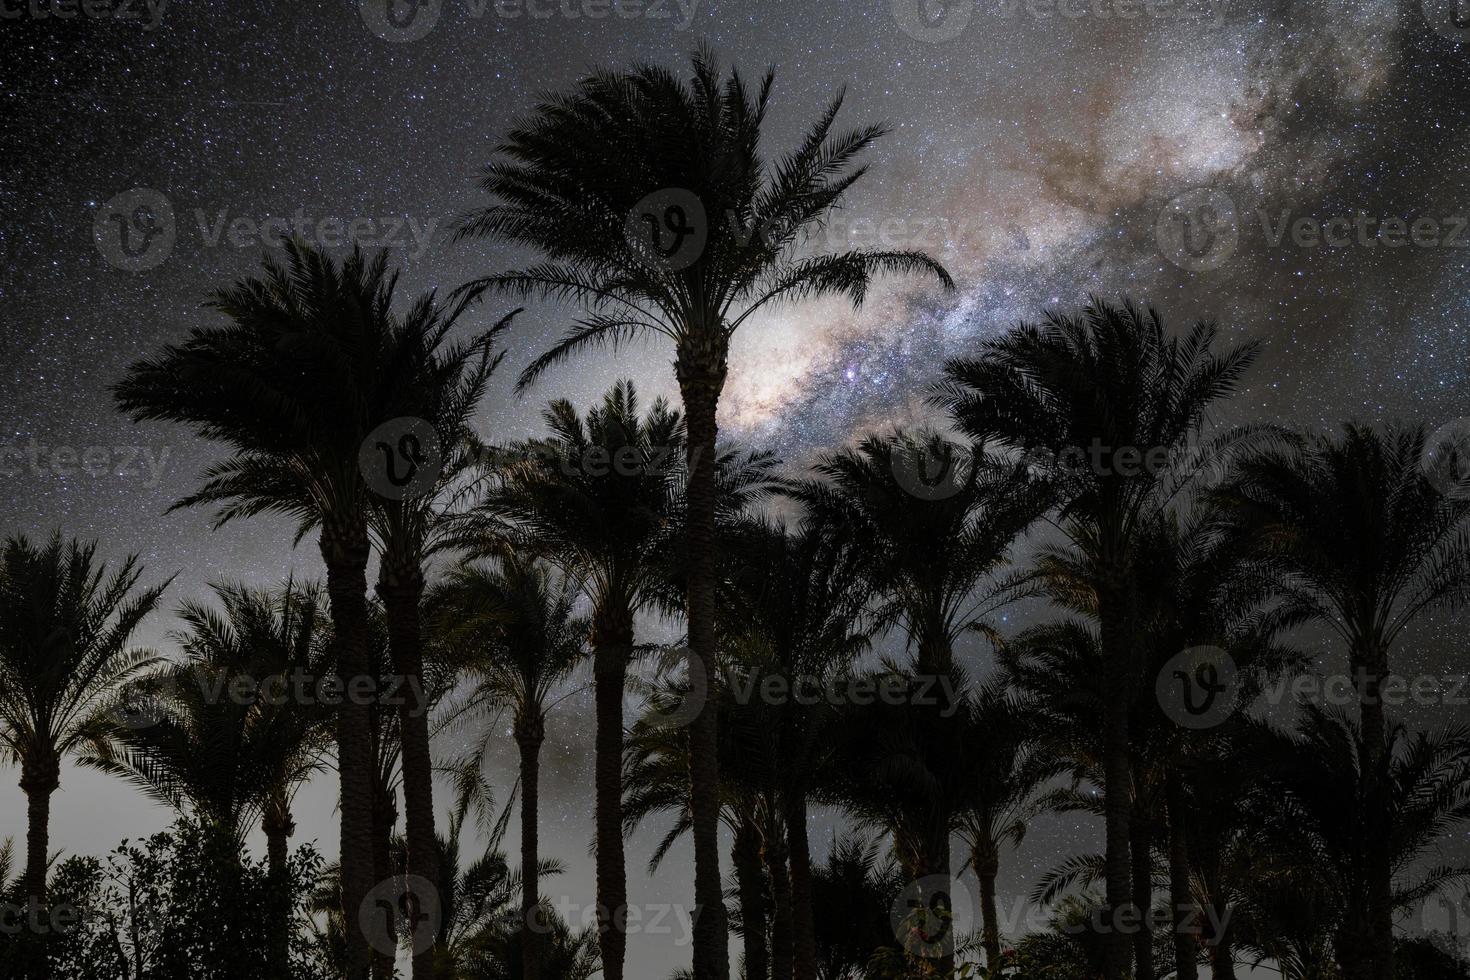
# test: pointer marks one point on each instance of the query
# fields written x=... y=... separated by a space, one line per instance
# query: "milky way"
x=1033 y=148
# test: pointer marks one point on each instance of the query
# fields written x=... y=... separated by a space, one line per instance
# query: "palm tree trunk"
x=803 y=921
x=1117 y=781
x=402 y=594
x=612 y=645
x=1371 y=669
x=1141 y=854
x=986 y=859
x=278 y=827
x=385 y=815
x=1222 y=961
x=1181 y=901
x=701 y=376
x=783 y=925
x=530 y=733
x=746 y=856
x=40 y=776
x=345 y=552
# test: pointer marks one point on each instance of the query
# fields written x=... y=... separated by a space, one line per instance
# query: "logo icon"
x=401 y=908
x=1445 y=459
x=924 y=918
x=135 y=230
x=399 y=21
x=1197 y=230
x=144 y=702
x=668 y=229
x=401 y=459
x=1449 y=18
x=933 y=21
x=1198 y=687
x=681 y=713
x=931 y=468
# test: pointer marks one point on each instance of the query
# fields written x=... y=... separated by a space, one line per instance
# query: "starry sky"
x=1038 y=148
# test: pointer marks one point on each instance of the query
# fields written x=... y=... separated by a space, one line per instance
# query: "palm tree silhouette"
x=598 y=498
x=310 y=363
x=519 y=639
x=224 y=735
x=1095 y=399
x=65 y=630
x=1359 y=539
x=626 y=147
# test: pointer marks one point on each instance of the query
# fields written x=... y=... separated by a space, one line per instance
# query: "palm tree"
x=597 y=498
x=226 y=736
x=643 y=149
x=854 y=890
x=1312 y=798
x=441 y=385
x=1003 y=782
x=310 y=364
x=65 y=629
x=935 y=565
x=798 y=607
x=521 y=639
x=1361 y=541
x=1101 y=402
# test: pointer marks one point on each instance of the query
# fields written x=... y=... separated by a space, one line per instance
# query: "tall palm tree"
x=1101 y=401
x=441 y=384
x=1361 y=541
x=935 y=565
x=643 y=149
x=798 y=605
x=309 y=364
x=226 y=736
x=597 y=498
x=521 y=640
x=65 y=630
x=1311 y=793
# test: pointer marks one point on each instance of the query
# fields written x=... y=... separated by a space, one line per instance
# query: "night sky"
x=1035 y=149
